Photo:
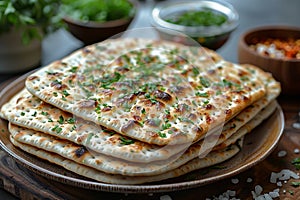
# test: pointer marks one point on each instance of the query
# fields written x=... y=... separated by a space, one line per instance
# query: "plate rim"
x=144 y=188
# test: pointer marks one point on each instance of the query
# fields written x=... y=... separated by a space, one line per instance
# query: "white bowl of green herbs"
x=208 y=22
x=92 y=21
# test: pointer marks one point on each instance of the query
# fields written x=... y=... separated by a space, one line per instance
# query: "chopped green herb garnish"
x=61 y=119
x=89 y=138
x=71 y=120
x=55 y=94
x=227 y=83
x=73 y=128
x=125 y=141
x=54 y=128
x=22 y=114
x=44 y=113
x=143 y=111
x=295 y=184
x=244 y=78
x=162 y=135
x=65 y=92
x=195 y=71
x=107 y=80
x=58 y=130
x=201 y=94
x=73 y=69
x=206 y=102
x=34 y=114
x=296 y=163
x=204 y=81
x=167 y=111
x=166 y=126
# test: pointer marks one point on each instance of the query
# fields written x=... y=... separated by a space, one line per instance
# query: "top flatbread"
x=159 y=93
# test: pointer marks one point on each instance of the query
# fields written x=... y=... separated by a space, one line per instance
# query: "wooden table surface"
x=25 y=184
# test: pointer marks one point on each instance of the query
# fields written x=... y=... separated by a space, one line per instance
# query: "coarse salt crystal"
x=273 y=177
x=296 y=125
x=279 y=183
x=296 y=151
x=282 y=153
x=165 y=197
x=235 y=181
x=261 y=197
x=274 y=194
x=258 y=189
x=283 y=175
x=228 y=195
x=267 y=197
x=249 y=180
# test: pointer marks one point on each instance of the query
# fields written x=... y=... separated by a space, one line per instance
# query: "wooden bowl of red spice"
x=275 y=49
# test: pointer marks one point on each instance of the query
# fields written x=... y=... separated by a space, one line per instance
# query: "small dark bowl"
x=212 y=37
x=91 y=32
x=286 y=71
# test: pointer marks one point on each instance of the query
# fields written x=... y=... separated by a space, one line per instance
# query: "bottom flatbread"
x=213 y=158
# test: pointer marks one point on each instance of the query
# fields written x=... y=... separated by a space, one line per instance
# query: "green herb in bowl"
x=204 y=17
x=97 y=10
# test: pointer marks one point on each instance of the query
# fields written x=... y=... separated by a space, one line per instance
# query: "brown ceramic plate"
x=257 y=146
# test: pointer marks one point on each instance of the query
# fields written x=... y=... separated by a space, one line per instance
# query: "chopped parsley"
x=34 y=114
x=61 y=120
x=107 y=80
x=71 y=120
x=73 y=69
x=204 y=81
x=166 y=126
x=73 y=128
x=195 y=71
x=295 y=184
x=125 y=141
x=57 y=129
x=44 y=113
x=65 y=93
x=201 y=94
x=143 y=111
x=162 y=135
x=296 y=163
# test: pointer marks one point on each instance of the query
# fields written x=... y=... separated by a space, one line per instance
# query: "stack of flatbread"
x=131 y=111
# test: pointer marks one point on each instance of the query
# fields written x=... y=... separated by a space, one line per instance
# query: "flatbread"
x=28 y=111
x=162 y=93
x=211 y=159
x=112 y=165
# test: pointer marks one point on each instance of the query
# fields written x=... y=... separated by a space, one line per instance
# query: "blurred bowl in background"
x=272 y=48
x=90 y=32
x=208 y=32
